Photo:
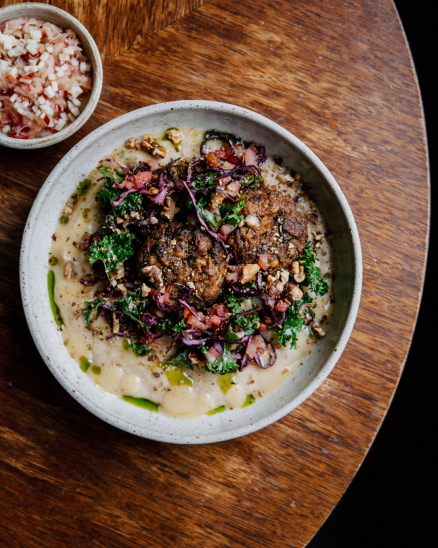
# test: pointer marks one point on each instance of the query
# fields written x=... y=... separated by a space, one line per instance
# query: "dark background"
x=393 y=500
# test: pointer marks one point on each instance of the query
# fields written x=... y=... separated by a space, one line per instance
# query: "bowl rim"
x=329 y=364
x=8 y=12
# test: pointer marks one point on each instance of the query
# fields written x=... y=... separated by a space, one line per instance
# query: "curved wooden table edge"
x=420 y=295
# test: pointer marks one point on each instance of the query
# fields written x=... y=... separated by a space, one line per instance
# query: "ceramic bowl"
x=64 y=20
x=43 y=220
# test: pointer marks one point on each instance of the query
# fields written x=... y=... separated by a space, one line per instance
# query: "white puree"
x=123 y=373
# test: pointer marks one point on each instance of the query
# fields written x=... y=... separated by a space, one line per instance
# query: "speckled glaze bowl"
x=43 y=220
x=64 y=20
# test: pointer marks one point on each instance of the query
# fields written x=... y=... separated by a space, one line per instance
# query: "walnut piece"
x=318 y=329
x=154 y=274
x=85 y=242
x=249 y=273
x=68 y=270
x=301 y=276
x=133 y=143
x=175 y=136
x=145 y=290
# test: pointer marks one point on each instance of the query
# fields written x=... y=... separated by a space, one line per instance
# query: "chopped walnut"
x=147 y=143
x=295 y=267
x=122 y=288
x=301 y=276
x=285 y=178
x=154 y=274
x=293 y=292
x=318 y=329
x=85 y=242
x=153 y=191
x=118 y=274
x=145 y=290
x=116 y=323
x=175 y=136
x=216 y=199
x=249 y=273
x=160 y=151
x=68 y=270
x=133 y=143
x=169 y=209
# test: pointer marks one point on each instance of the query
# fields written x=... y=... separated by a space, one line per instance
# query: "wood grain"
x=339 y=75
x=119 y=25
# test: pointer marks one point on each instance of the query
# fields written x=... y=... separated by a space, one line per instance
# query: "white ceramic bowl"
x=43 y=220
x=64 y=20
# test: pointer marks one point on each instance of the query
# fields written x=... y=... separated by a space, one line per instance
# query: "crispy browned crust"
x=278 y=217
x=185 y=254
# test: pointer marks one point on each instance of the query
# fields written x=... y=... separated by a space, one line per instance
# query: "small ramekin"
x=61 y=18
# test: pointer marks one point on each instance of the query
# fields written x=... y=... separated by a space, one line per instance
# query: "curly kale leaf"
x=315 y=282
x=204 y=181
x=211 y=218
x=112 y=250
x=139 y=349
x=108 y=195
x=230 y=212
x=293 y=323
x=180 y=326
x=224 y=363
x=182 y=359
x=91 y=309
x=251 y=181
x=133 y=305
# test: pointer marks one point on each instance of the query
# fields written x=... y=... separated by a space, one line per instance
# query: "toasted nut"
x=249 y=273
x=116 y=323
x=85 y=242
x=284 y=275
x=295 y=267
x=271 y=279
x=285 y=179
x=216 y=199
x=154 y=274
x=319 y=237
x=172 y=242
x=261 y=393
x=68 y=270
x=122 y=288
x=145 y=290
x=295 y=292
x=190 y=285
x=68 y=210
x=175 y=136
x=119 y=221
x=133 y=143
x=154 y=220
x=153 y=191
x=119 y=273
x=318 y=329
x=147 y=143
x=159 y=151
x=301 y=276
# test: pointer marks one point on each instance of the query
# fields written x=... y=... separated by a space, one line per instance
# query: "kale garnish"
x=224 y=363
x=293 y=323
x=139 y=348
x=211 y=218
x=204 y=181
x=180 y=326
x=112 y=250
x=251 y=181
x=133 y=305
x=108 y=195
x=230 y=212
x=182 y=359
x=313 y=274
x=90 y=310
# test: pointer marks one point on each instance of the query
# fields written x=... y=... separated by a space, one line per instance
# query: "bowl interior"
x=64 y=20
x=80 y=161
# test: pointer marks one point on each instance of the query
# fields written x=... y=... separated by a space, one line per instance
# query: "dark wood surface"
x=338 y=74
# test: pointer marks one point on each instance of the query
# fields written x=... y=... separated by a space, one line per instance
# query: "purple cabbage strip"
x=192 y=310
x=245 y=291
x=122 y=197
x=198 y=213
x=218 y=347
x=193 y=342
x=262 y=156
x=162 y=187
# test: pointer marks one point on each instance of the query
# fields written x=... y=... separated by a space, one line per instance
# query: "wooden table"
x=338 y=74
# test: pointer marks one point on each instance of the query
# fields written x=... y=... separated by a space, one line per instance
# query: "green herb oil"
x=53 y=261
x=219 y=409
x=53 y=305
x=249 y=400
x=84 y=363
x=143 y=402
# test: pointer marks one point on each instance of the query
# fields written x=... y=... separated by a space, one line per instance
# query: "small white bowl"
x=61 y=18
x=76 y=165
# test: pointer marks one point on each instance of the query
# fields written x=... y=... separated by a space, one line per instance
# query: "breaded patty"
x=275 y=232
x=184 y=254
